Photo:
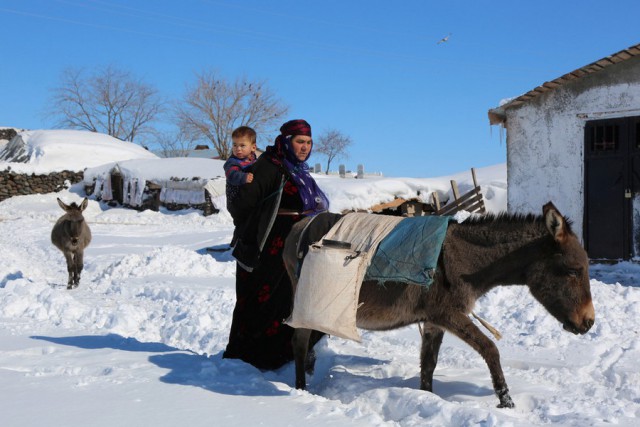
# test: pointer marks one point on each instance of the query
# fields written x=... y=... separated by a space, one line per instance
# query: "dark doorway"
x=612 y=179
x=117 y=186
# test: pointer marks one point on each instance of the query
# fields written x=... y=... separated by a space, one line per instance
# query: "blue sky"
x=372 y=69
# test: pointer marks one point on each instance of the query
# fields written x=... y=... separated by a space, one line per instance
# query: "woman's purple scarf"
x=314 y=200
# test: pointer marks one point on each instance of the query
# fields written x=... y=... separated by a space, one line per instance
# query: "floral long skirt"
x=263 y=301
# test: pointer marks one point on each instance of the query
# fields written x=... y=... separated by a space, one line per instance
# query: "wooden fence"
x=471 y=201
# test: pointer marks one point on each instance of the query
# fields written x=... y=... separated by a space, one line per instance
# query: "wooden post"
x=436 y=201
x=456 y=192
x=473 y=174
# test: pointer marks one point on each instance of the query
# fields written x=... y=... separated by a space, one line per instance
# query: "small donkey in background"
x=71 y=235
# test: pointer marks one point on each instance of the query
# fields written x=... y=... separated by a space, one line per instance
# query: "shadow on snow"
x=225 y=376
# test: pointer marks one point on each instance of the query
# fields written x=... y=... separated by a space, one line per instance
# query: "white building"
x=575 y=141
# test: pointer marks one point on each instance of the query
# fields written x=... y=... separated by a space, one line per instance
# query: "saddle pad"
x=364 y=231
x=409 y=253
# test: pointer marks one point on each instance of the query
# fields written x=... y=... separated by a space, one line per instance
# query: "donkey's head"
x=74 y=221
x=559 y=279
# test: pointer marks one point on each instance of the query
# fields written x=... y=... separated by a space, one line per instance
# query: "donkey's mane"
x=504 y=218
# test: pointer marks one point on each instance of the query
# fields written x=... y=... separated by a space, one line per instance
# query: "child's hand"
x=249 y=177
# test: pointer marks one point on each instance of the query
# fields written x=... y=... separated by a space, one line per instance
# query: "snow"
x=161 y=169
x=44 y=151
x=139 y=343
x=345 y=194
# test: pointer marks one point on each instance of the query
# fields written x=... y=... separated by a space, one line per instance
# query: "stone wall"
x=207 y=207
x=7 y=133
x=16 y=184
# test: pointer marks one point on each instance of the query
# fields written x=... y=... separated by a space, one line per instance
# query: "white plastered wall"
x=545 y=139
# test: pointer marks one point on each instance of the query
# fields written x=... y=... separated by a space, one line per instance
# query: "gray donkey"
x=71 y=235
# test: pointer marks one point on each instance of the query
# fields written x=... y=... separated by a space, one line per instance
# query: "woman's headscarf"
x=313 y=199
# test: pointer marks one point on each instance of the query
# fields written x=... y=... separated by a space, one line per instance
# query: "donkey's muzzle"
x=583 y=321
x=583 y=328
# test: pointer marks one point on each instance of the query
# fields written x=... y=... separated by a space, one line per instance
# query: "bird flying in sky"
x=444 y=39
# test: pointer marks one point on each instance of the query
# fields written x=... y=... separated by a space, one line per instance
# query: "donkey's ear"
x=555 y=222
x=84 y=204
x=62 y=205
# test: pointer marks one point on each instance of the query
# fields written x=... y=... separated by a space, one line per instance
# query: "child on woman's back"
x=237 y=168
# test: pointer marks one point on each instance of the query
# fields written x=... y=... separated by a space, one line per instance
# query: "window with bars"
x=604 y=138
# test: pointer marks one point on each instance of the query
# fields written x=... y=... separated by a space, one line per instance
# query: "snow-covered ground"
x=139 y=342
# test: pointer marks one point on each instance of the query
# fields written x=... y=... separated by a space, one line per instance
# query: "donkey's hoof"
x=310 y=362
x=506 y=403
x=505 y=399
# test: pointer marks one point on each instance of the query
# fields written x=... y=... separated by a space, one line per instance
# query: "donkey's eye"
x=573 y=272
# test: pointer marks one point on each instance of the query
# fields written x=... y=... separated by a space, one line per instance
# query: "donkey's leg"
x=310 y=361
x=68 y=255
x=300 y=342
x=79 y=264
x=431 y=341
x=463 y=328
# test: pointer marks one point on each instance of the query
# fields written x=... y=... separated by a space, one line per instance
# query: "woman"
x=281 y=194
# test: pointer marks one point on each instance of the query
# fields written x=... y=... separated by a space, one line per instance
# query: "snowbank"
x=45 y=151
x=361 y=194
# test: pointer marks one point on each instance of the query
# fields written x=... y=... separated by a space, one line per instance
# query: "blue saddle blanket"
x=409 y=253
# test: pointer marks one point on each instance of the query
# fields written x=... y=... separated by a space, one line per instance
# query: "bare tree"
x=108 y=100
x=174 y=144
x=333 y=144
x=213 y=108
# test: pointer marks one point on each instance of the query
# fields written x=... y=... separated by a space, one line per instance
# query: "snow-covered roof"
x=46 y=151
x=160 y=169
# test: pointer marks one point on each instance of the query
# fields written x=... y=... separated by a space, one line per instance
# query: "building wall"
x=545 y=138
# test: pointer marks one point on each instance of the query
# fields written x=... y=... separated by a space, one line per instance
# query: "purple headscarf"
x=314 y=200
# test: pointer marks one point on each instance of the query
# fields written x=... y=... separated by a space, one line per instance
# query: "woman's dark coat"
x=263 y=290
x=256 y=209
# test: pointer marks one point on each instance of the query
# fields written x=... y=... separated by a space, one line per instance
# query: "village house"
x=575 y=141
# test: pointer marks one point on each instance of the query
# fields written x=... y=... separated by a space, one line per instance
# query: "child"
x=237 y=167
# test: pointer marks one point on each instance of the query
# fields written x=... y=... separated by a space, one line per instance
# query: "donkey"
x=479 y=254
x=71 y=235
